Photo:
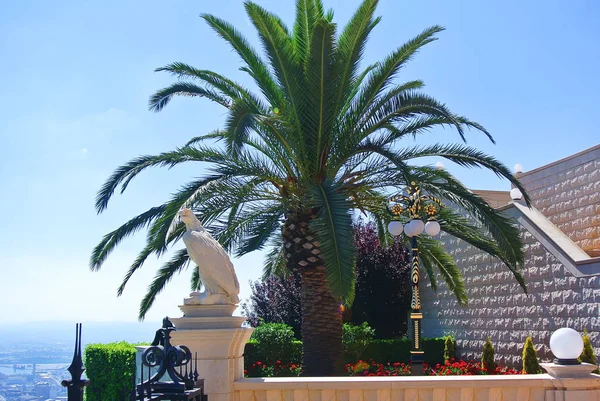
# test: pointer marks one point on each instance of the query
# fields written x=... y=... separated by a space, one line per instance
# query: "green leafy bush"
x=449 y=348
x=356 y=338
x=530 y=360
x=254 y=353
x=398 y=350
x=487 y=358
x=275 y=342
x=588 y=355
x=111 y=371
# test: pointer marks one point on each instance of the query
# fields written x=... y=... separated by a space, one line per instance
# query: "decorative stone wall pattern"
x=568 y=193
x=499 y=308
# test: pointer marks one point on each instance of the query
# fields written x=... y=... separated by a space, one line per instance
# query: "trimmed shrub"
x=530 y=360
x=356 y=338
x=275 y=342
x=253 y=353
x=398 y=350
x=487 y=358
x=449 y=348
x=588 y=355
x=272 y=343
x=111 y=370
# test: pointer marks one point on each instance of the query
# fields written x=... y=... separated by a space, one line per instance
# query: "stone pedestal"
x=148 y=372
x=572 y=382
x=219 y=340
x=582 y=370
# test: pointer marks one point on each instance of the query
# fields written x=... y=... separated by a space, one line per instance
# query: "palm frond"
x=239 y=124
x=274 y=262
x=148 y=250
x=111 y=240
x=286 y=67
x=351 y=45
x=356 y=87
x=196 y=281
x=256 y=67
x=318 y=114
x=188 y=196
x=178 y=262
x=433 y=254
x=124 y=174
x=162 y=97
x=460 y=227
x=223 y=84
x=333 y=229
x=500 y=227
x=306 y=17
x=217 y=134
x=387 y=69
x=402 y=106
x=465 y=156
x=259 y=233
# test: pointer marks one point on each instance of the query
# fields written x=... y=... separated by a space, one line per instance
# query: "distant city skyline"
x=78 y=76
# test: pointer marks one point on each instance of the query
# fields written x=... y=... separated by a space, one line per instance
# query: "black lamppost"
x=413 y=206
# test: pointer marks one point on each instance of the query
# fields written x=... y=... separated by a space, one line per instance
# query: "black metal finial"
x=75 y=386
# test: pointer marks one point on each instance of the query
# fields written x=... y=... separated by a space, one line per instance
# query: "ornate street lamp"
x=413 y=207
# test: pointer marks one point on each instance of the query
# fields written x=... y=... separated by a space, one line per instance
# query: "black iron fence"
x=176 y=376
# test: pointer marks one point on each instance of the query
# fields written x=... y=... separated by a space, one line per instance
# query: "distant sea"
x=40 y=368
x=63 y=333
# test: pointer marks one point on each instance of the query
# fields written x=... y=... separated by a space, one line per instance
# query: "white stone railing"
x=542 y=387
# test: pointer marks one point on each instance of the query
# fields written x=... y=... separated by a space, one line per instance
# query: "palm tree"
x=321 y=140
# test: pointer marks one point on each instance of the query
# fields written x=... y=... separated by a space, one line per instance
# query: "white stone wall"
x=439 y=388
x=498 y=307
x=568 y=193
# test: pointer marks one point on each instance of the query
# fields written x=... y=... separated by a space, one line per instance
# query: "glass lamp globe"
x=409 y=229
x=516 y=194
x=566 y=345
x=439 y=166
x=414 y=227
x=432 y=228
x=395 y=228
x=419 y=226
x=518 y=168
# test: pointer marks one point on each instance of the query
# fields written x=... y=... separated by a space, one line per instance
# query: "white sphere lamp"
x=414 y=227
x=409 y=229
x=395 y=228
x=518 y=168
x=440 y=166
x=419 y=226
x=516 y=194
x=566 y=345
x=432 y=228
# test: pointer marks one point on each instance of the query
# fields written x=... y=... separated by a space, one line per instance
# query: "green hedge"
x=111 y=371
x=398 y=350
x=252 y=353
x=382 y=351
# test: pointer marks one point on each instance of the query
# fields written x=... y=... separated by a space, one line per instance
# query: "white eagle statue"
x=216 y=271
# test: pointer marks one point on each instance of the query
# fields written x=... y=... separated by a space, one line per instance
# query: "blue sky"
x=76 y=77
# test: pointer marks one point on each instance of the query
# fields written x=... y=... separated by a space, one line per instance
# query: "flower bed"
x=372 y=368
x=450 y=368
x=278 y=369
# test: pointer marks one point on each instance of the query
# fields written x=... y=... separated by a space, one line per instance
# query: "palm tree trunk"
x=321 y=313
x=321 y=326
